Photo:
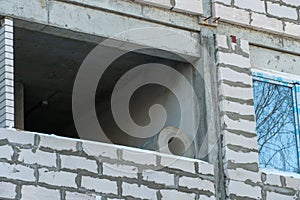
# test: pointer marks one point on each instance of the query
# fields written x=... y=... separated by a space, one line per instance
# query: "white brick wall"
x=254 y=5
x=234 y=59
x=231 y=14
x=139 y=157
x=57 y=178
x=120 y=170
x=244 y=190
x=196 y=183
x=142 y=191
x=273 y=195
x=119 y=178
x=99 y=185
x=292 y=29
x=57 y=143
x=6 y=62
x=281 y=11
x=292 y=2
x=38 y=193
x=159 y=177
x=94 y=149
x=79 y=196
x=16 y=172
x=183 y=164
x=264 y=15
x=173 y=194
x=29 y=157
x=191 y=6
x=7 y=190
x=6 y=152
x=76 y=162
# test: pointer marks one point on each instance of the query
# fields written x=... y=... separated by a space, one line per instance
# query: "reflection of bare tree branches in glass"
x=275 y=126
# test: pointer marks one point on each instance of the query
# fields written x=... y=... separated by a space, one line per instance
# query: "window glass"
x=275 y=126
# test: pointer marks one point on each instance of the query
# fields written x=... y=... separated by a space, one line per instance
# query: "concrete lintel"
x=91 y=21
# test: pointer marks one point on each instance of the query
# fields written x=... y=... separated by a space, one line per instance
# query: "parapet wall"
x=36 y=166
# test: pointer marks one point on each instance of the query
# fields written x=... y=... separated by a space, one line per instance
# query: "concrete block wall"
x=6 y=73
x=275 y=16
x=244 y=180
x=35 y=166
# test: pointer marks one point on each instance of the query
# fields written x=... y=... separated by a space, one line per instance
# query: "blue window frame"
x=277 y=103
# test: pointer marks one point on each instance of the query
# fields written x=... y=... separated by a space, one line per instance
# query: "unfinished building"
x=149 y=99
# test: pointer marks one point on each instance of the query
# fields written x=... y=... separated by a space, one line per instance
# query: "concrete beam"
x=101 y=19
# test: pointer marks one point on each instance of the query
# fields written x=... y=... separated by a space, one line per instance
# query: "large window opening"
x=277 y=125
x=45 y=70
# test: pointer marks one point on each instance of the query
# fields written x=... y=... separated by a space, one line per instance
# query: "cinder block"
x=100 y=149
x=228 y=2
x=79 y=196
x=16 y=172
x=292 y=2
x=6 y=152
x=205 y=168
x=8 y=21
x=76 y=162
x=39 y=157
x=99 y=185
x=139 y=157
x=5 y=42
x=292 y=182
x=136 y=191
x=239 y=140
x=159 y=177
x=245 y=46
x=226 y=73
x=236 y=92
x=273 y=179
x=243 y=175
x=227 y=13
x=17 y=136
x=157 y=3
x=120 y=170
x=273 y=195
x=292 y=29
x=222 y=41
x=203 y=197
x=245 y=125
x=239 y=188
x=173 y=194
x=37 y=193
x=234 y=107
x=57 y=143
x=254 y=5
x=197 y=183
x=194 y=7
x=7 y=190
x=266 y=23
x=181 y=163
x=234 y=59
x=57 y=178
x=281 y=11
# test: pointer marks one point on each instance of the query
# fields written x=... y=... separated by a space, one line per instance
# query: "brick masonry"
x=244 y=180
x=276 y=16
x=36 y=166
x=6 y=73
